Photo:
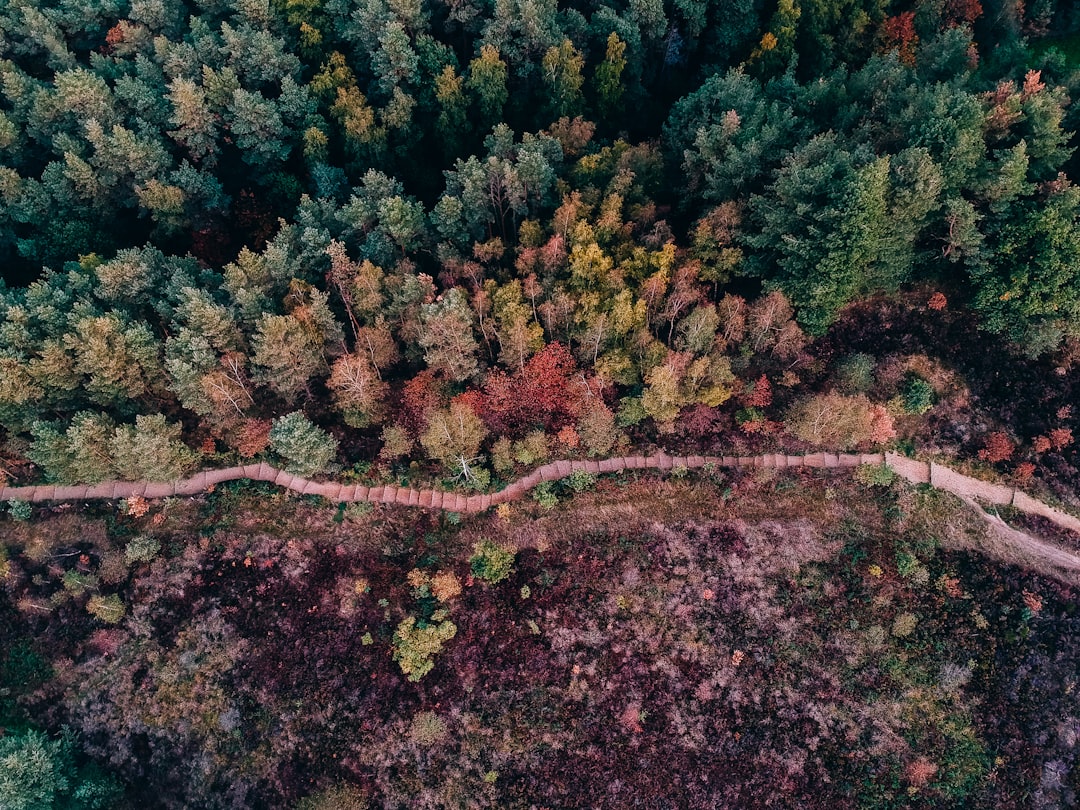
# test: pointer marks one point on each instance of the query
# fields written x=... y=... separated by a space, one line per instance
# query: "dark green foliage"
x=855 y=374
x=917 y=394
x=306 y=448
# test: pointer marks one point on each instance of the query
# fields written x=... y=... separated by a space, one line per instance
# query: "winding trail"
x=919 y=472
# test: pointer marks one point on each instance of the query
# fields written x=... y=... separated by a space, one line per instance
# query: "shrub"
x=107 y=608
x=874 y=475
x=338 y=797
x=445 y=585
x=855 y=373
x=997 y=447
x=426 y=729
x=906 y=564
x=904 y=625
x=544 y=494
x=307 y=448
x=20 y=510
x=580 y=481
x=415 y=645
x=917 y=395
x=490 y=562
x=142 y=548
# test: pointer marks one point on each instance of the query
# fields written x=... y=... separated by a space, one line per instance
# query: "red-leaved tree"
x=542 y=395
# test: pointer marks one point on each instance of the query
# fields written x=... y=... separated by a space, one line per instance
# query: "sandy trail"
x=1004 y=542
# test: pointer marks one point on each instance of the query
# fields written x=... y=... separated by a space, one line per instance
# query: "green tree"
x=447 y=338
x=79 y=453
x=607 y=80
x=1031 y=277
x=37 y=773
x=287 y=354
x=120 y=360
x=257 y=127
x=561 y=69
x=486 y=81
x=151 y=450
x=452 y=123
x=307 y=448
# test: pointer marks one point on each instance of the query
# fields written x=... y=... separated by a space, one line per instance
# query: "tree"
x=256 y=125
x=37 y=773
x=151 y=450
x=286 y=354
x=195 y=122
x=561 y=70
x=120 y=360
x=1031 y=277
x=79 y=453
x=728 y=136
x=447 y=337
x=453 y=436
x=520 y=336
x=836 y=421
x=452 y=123
x=832 y=229
x=608 y=78
x=358 y=392
x=486 y=80
x=307 y=449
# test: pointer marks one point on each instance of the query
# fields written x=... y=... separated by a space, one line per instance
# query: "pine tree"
x=151 y=450
x=307 y=449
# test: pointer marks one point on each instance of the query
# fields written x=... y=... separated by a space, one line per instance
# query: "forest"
x=441 y=242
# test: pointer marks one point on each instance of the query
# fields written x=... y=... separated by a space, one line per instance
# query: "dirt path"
x=970 y=490
x=1020 y=548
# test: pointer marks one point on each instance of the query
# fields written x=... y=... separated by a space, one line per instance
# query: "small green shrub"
x=917 y=395
x=544 y=494
x=490 y=562
x=874 y=475
x=906 y=564
x=20 y=510
x=415 y=645
x=580 y=481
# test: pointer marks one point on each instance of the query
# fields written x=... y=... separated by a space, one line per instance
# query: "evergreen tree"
x=307 y=449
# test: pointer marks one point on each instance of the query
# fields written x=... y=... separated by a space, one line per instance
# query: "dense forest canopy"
x=396 y=214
